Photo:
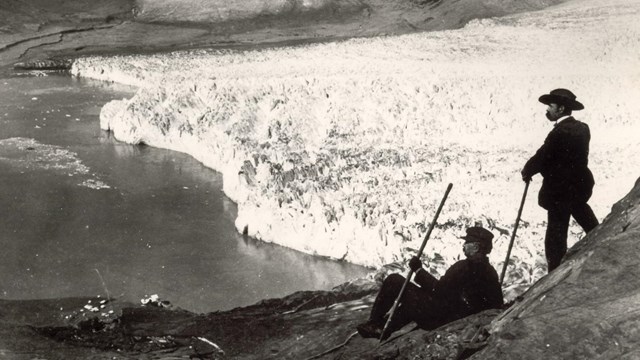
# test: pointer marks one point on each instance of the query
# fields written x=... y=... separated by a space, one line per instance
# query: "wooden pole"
x=410 y=274
x=513 y=234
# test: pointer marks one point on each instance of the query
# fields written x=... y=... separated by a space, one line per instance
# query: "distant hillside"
x=18 y=16
x=372 y=16
x=217 y=11
x=35 y=30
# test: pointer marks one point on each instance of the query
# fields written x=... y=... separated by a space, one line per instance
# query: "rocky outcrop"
x=297 y=326
x=304 y=325
x=345 y=149
x=587 y=308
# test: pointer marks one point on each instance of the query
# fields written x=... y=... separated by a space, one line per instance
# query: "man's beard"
x=550 y=117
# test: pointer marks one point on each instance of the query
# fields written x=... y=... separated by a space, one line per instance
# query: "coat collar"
x=564 y=119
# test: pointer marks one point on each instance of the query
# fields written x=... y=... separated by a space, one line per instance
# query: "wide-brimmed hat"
x=480 y=235
x=561 y=97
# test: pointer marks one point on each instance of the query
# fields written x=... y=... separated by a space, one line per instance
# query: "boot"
x=370 y=329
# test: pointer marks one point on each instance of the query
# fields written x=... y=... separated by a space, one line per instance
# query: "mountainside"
x=43 y=34
x=355 y=17
x=588 y=307
x=220 y=11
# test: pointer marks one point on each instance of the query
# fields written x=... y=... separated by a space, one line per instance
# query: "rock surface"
x=588 y=307
x=305 y=325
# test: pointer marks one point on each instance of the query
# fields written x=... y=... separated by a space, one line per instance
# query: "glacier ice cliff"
x=345 y=149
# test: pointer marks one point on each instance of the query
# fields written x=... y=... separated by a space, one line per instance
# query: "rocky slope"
x=345 y=149
x=32 y=30
x=219 y=11
x=47 y=33
x=590 y=301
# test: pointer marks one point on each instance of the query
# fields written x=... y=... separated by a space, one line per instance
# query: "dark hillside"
x=37 y=30
x=25 y=16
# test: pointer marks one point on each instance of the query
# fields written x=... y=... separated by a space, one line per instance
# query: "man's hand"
x=526 y=177
x=415 y=264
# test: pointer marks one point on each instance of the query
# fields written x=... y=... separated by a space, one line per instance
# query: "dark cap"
x=561 y=97
x=480 y=235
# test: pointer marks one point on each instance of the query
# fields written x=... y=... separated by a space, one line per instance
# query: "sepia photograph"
x=319 y=179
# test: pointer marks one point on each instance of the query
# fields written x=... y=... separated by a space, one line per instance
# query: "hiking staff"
x=424 y=243
x=515 y=228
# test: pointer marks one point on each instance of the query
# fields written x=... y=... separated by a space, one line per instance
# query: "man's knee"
x=584 y=215
x=558 y=220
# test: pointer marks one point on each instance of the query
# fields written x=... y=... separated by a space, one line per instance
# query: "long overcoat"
x=563 y=162
x=467 y=287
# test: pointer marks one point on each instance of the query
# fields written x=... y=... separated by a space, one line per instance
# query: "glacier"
x=345 y=149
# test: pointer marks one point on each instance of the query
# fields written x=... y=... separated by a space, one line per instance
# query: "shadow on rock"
x=304 y=325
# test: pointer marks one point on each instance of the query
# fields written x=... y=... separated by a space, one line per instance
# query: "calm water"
x=77 y=208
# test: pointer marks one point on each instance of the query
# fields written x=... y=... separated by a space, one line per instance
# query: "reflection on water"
x=160 y=224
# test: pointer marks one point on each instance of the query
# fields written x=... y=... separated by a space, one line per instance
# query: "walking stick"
x=513 y=235
x=406 y=281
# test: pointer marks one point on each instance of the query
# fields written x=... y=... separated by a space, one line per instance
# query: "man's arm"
x=425 y=279
x=422 y=276
x=532 y=167
x=540 y=161
x=494 y=297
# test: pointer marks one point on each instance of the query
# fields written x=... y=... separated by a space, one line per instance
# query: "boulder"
x=589 y=307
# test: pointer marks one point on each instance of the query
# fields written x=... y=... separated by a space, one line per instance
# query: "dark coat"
x=563 y=162
x=468 y=287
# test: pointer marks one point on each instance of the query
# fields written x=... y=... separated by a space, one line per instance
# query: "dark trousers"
x=555 y=241
x=416 y=305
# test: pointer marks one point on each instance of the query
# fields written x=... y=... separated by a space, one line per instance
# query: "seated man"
x=468 y=287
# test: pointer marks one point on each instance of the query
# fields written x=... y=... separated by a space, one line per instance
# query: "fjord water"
x=82 y=214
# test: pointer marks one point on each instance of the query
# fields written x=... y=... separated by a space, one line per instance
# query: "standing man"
x=568 y=183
